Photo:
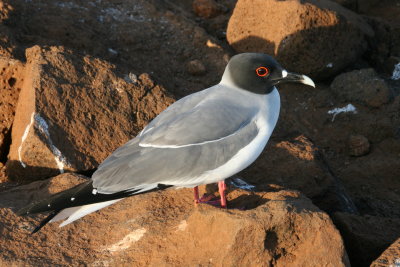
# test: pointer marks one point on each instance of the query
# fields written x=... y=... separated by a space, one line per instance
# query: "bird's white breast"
x=266 y=119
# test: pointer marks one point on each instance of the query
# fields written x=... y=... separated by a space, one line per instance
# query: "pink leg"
x=222 y=188
x=208 y=199
x=204 y=199
x=196 y=194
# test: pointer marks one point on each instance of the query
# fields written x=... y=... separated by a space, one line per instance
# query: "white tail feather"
x=65 y=213
x=75 y=213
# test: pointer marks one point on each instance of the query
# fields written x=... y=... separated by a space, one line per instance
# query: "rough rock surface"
x=358 y=145
x=205 y=8
x=139 y=36
x=391 y=256
x=317 y=38
x=7 y=42
x=10 y=85
x=196 y=67
x=73 y=111
x=281 y=228
x=361 y=6
x=307 y=174
x=161 y=37
x=366 y=237
x=362 y=86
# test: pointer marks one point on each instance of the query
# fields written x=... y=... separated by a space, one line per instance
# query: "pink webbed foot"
x=211 y=199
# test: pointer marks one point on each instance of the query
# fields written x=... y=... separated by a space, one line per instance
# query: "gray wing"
x=179 y=148
x=206 y=122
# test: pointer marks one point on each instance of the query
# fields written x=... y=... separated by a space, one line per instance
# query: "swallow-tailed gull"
x=202 y=138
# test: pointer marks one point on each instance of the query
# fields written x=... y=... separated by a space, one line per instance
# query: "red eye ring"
x=262 y=71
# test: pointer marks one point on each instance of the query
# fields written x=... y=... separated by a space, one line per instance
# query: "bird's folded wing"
x=209 y=121
x=175 y=150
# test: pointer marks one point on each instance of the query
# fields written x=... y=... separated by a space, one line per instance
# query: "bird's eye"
x=262 y=71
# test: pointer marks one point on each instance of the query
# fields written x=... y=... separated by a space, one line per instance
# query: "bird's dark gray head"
x=259 y=73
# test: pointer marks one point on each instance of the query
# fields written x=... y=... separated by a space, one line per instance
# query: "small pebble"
x=146 y=80
x=196 y=67
x=358 y=145
x=205 y=8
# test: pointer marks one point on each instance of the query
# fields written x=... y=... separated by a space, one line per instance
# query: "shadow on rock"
x=297 y=163
x=306 y=51
x=20 y=196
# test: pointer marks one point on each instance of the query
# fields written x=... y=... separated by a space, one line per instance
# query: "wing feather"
x=194 y=135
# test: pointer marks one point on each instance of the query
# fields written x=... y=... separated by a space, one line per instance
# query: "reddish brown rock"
x=11 y=72
x=296 y=163
x=7 y=41
x=390 y=257
x=205 y=8
x=363 y=86
x=358 y=145
x=138 y=36
x=73 y=111
x=317 y=38
x=3 y=177
x=281 y=228
x=366 y=237
x=5 y=9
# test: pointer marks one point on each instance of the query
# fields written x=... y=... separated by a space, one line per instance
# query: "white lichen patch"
x=127 y=241
x=348 y=108
x=43 y=127
x=28 y=127
x=396 y=72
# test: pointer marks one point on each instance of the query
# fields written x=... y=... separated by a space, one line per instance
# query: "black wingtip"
x=45 y=221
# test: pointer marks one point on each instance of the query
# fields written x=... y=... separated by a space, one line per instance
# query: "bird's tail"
x=77 y=202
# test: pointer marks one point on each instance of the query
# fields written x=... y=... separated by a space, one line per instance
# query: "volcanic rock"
x=366 y=237
x=296 y=163
x=11 y=72
x=138 y=36
x=196 y=67
x=205 y=8
x=317 y=38
x=391 y=256
x=363 y=86
x=358 y=145
x=73 y=111
x=280 y=228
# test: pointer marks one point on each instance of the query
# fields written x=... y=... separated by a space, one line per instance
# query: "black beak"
x=289 y=77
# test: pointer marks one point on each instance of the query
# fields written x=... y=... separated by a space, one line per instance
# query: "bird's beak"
x=290 y=77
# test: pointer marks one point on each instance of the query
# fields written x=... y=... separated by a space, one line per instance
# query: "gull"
x=202 y=138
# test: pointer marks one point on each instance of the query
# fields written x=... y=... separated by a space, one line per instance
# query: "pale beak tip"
x=306 y=80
